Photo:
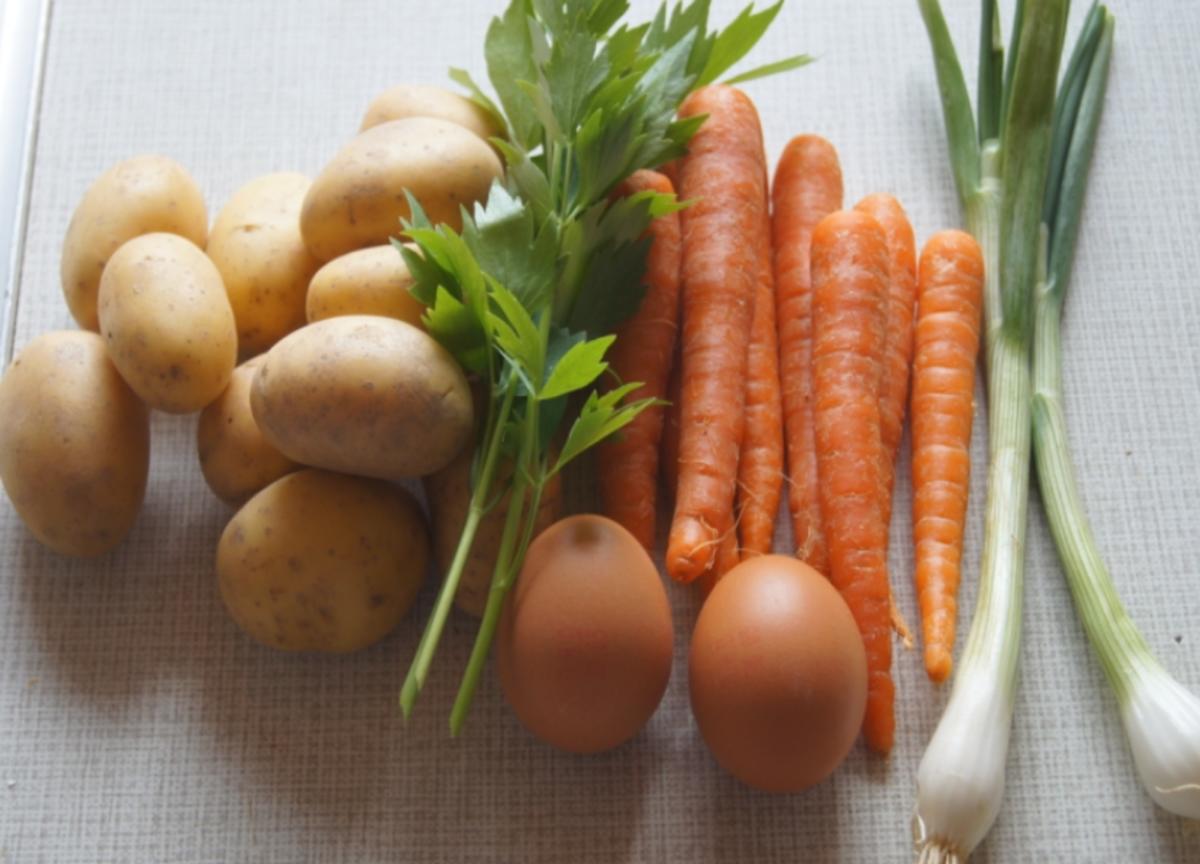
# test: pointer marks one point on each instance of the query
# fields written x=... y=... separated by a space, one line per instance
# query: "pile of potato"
x=339 y=392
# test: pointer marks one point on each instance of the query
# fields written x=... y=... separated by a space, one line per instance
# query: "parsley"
x=527 y=294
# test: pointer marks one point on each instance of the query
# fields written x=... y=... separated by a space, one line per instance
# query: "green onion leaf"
x=785 y=65
x=956 y=103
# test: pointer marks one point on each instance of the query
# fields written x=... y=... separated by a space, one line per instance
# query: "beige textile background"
x=138 y=725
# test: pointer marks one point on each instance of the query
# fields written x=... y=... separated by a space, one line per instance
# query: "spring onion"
x=1000 y=168
x=1160 y=716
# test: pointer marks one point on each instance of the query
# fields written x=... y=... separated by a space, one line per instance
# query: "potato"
x=319 y=561
x=363 y=394
x=449 y=496
x=235 y=458
x=372 y=281
x=74 y=444
x=422 y=100
x=168 y=324
x=138 y=196
x=262 y=259
x=358 y=199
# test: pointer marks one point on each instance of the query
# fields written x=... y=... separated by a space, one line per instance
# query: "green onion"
x=1001 y=181
x=1161 y=717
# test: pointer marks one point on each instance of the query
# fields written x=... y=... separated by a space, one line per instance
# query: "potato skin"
x=257 y=248
x=168 y=324
x=363 y=394
x=74 y=444
x=137 y=196
x=358 y=199
x=423 y=100
x=235 y=458
x=319 y=561
x=449 y=495
x=372 y=281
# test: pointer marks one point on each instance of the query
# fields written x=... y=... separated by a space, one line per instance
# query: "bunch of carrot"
x=798 y=325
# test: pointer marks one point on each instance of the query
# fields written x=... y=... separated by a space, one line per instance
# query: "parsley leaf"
x=528 y=293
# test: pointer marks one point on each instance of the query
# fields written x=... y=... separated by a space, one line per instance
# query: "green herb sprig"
x=527 y=294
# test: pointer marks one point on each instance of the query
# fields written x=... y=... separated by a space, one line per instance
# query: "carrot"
x=947 y=342
x=902 y=298
x=760 y=466
x=808 y=186
x=898 y=341
x=669 y=448
x=725 y=175
x=670 y=170
x=728 y=557
x=849 y=293
x=627 y=464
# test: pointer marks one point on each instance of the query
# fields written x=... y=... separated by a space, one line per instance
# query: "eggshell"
x=584 y=649
x=777 y=674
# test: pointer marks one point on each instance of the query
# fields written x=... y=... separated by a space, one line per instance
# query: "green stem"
x=419 y=669
x=995 y=634
x=491 y=613
x=983 y=221
x=519 y=523
x=991 y=71
x=1112 y=633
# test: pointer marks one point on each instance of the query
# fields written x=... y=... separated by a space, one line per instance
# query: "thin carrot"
x=893 y=391
x=725 y=175
x=670 y=170
x=728 y=557
x=808 y=187
x=628 y=463
x=902 y=298
x=760 y=466
x=849 y=296
x=669 y=448
x=947 y=342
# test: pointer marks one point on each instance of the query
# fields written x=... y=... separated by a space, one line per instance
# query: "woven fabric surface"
x=137 y=724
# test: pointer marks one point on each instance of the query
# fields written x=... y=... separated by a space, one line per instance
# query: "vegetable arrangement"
x=476 y=292
x=549 y=262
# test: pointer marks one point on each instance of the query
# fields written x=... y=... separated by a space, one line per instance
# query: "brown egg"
x=585 y=642
x=777 y=674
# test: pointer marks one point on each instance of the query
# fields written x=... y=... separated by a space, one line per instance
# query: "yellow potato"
x=358 y=199
x=363 y=394
x=138 y=196
x=74 y=444
x=262 y=259
x=168 y=323
x=423 y=100
x=373 y=281
x=235 y=458
x=322 y=562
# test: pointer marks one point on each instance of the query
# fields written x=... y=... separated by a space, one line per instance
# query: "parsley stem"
x=491 y=614
x=480 y=497
x=519 y=525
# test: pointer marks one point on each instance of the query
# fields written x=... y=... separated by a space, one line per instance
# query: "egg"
x=585 y=642
x=777 y=674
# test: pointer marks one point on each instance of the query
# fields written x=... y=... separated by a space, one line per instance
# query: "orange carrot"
x=724 y=174
x=849 y=296
x=627 y=464
x=808 y=186
x=669 y=449
x=670 y=170
x=947 y=342
x=760 y=466
x=728 y=557
x=902 y=298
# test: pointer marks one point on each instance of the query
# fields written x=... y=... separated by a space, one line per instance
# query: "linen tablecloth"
x=137 y=724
